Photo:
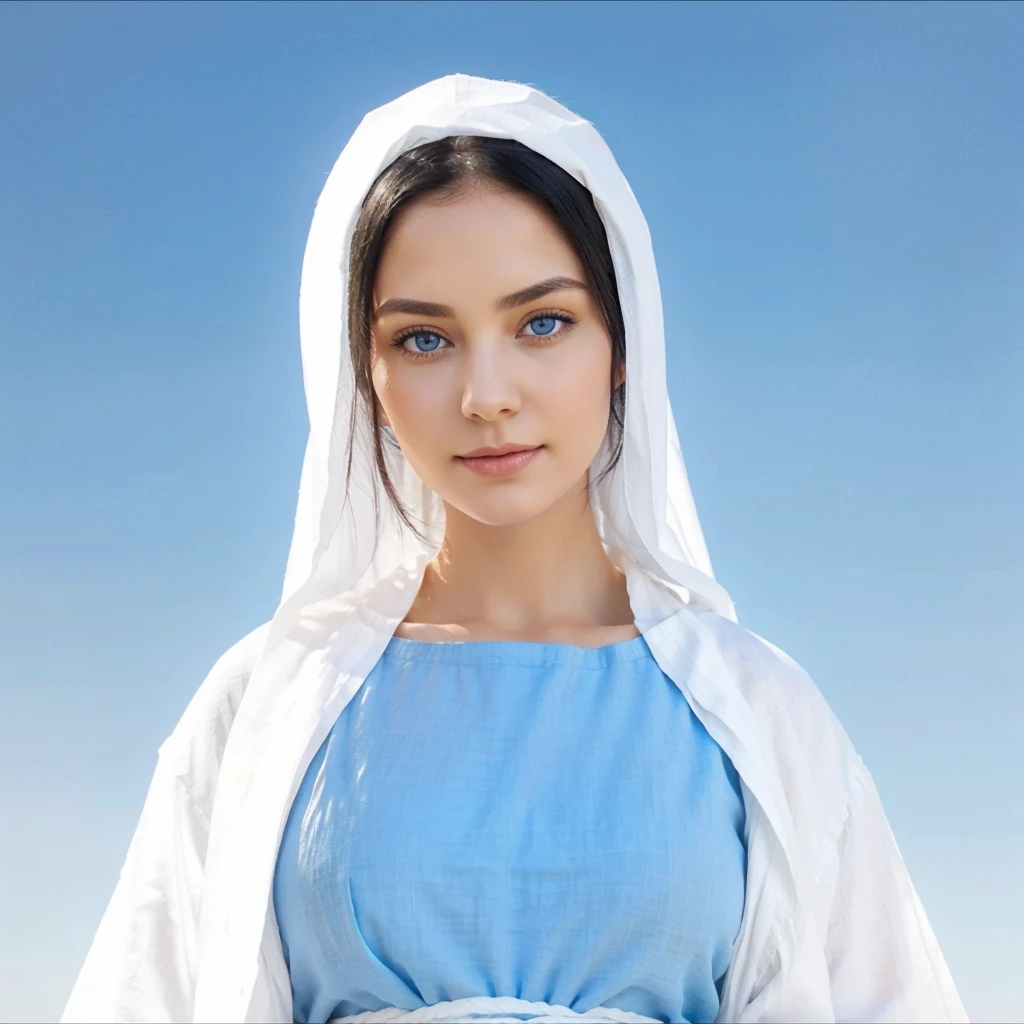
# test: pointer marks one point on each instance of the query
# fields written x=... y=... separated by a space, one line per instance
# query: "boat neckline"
x=519 y=652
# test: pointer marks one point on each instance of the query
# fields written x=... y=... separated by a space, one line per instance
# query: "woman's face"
x=484 y=334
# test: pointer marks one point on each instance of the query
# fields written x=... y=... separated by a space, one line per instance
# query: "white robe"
x=832 y=928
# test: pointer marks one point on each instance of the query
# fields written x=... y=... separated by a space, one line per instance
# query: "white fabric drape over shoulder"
x=832 y=928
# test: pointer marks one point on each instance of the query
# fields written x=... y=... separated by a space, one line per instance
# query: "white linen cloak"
x=832 y=929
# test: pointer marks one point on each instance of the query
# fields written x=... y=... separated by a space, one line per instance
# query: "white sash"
x=490 y=1009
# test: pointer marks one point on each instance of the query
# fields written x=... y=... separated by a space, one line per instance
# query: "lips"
x=505 y=449
x=510 y=458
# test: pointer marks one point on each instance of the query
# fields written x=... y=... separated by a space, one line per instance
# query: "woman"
x=503 y=752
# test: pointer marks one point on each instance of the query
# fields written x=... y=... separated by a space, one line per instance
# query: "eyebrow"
x=524 y=295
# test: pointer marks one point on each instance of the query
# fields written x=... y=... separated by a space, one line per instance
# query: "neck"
x=546 y=574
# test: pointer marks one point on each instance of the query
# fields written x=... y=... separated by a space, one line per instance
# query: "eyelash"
x=548 y=314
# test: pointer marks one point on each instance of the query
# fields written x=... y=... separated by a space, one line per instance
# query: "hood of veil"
x=644 y=508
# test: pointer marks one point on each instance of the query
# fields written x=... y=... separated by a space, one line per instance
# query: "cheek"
x=395 y=391
x=577 y=391
x=414 y=402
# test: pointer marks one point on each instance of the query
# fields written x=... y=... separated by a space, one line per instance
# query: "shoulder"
x=773 y=683
x=810 y=750
x=194 y=749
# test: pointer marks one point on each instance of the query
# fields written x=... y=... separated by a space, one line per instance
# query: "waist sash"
x=494 y=1010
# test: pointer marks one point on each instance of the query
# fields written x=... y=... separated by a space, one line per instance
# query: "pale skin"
x=521 y=558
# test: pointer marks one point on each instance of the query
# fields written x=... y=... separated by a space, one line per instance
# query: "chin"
x=504 y=510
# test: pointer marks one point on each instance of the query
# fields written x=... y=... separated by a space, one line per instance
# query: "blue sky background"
x=835 y=196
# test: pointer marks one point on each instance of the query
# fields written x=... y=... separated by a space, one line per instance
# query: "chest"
x=550 y=783
x=514 y=828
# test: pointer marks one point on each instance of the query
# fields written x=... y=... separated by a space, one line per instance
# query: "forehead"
x=485 y=241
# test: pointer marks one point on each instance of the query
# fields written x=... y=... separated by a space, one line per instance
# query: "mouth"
x=503 y=461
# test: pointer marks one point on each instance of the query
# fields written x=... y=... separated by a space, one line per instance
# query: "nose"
x=489 y=389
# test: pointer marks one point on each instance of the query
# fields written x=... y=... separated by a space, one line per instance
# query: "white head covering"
x=644 y=508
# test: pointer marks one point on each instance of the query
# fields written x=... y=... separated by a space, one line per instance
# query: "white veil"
x=644 y=508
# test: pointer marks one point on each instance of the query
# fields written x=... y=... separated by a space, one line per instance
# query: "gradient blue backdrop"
x=835 y=197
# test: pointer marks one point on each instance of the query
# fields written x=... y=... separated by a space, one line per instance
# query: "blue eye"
x=543 y=324
x=432 y=340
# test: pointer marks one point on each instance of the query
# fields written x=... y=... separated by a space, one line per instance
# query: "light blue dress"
x=510 y=818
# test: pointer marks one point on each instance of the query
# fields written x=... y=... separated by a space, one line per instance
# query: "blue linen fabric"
x=510 y=818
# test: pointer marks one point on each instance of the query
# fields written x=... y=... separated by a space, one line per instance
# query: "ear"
x=620 y=377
